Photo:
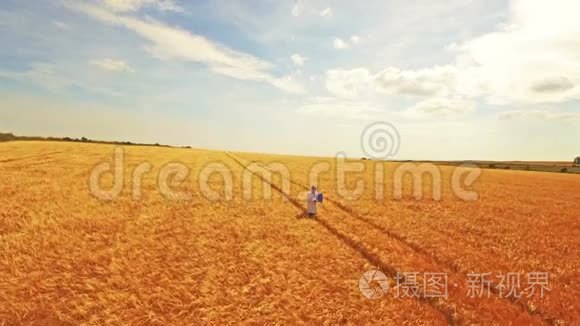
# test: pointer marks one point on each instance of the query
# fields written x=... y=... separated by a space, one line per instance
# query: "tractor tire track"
x=452 y=266
x=406 y=248
x=548 y=318
x=29 y=157
x=360 y=248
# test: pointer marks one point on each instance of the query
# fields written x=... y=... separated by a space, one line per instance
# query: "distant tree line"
x=7 y=137
x=11 y=137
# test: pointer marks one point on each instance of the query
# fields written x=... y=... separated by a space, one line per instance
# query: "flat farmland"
x=68 y=256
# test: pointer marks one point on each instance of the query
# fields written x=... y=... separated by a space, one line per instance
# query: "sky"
x=458 y=79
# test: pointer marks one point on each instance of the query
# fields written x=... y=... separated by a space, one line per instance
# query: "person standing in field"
x=312 y=200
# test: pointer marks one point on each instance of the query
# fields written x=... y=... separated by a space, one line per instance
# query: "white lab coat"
x=311 y=198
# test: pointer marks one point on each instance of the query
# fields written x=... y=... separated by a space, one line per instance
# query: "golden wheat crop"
x=68 y=257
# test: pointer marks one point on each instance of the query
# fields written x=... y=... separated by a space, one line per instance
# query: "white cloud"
x=327 y=12
x=41 y=74
x=338 y=43
x=298 y=59
x=441 y=107
x=61 y=25
x=534 y=59
x=47 y=76
x=173 y=43
x=439 y=80
x=112 y=65
x=538 y=114
x=308 y=8
x=436 y=81
x=330 y=107
x=297 y=9
x=134 y=5
x=348 y=83
x=289 y=84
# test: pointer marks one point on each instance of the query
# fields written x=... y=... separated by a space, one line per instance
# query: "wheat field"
x=70 y=258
